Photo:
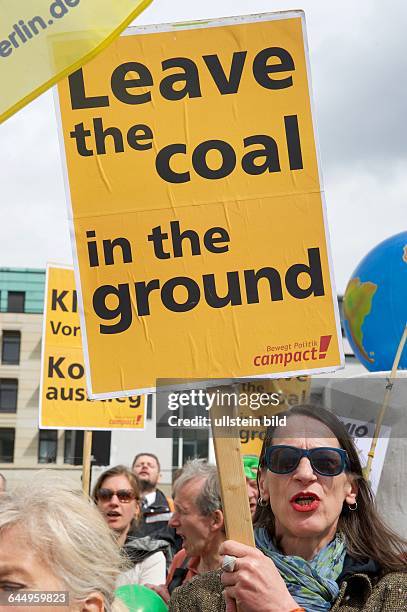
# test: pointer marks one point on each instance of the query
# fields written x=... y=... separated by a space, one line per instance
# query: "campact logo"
x=307 y=354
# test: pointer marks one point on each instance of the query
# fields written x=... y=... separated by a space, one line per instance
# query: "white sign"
x=362 y=433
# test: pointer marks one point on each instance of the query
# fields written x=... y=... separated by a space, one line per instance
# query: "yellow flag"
x=42 y=41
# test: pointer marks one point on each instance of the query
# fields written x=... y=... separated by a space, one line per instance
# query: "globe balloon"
x=375 y=305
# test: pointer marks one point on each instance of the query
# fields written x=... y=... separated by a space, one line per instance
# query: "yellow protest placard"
x=64 y=403
x=196 y=206
x=286 y=391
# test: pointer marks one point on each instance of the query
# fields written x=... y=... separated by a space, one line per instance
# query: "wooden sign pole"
x=389 y=387
x=86 y=462
x=235 y=501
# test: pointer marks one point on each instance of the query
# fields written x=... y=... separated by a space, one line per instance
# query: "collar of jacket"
x=352 y=566
x=160 y=504
x=356 y=581
x=138 y=549
x=354 y=591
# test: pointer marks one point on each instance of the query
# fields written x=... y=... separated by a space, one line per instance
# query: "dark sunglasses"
x=123 y=495
x=326 y=461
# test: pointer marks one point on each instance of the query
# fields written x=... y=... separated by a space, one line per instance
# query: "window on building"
x=194 y=444
x=8 y=394
x=73 y=447
x=16 y=301
x=10 y=348
x=47 y=445
x=7 y=435
x=149 y=411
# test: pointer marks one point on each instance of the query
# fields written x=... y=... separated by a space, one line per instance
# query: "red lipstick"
x=305 y=501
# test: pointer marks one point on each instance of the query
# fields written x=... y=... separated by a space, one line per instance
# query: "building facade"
x=25 y=448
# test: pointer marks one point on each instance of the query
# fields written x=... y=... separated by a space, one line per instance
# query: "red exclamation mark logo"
x=323 y=346
x=138 y=419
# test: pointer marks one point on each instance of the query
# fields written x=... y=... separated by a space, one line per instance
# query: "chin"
x=311 y=519
x=308 y=527
x=116 y=526
x=191 y=552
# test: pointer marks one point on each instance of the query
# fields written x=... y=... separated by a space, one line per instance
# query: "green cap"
x=250 y=466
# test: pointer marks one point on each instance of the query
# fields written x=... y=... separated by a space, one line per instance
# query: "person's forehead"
x=305 y=429
x=188 y=492
x=309 y=443
x=17 y=553
x=120 y=481
x=25 y=561
x=251 y=481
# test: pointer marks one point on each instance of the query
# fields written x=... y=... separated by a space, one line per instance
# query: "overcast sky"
x=358 y=55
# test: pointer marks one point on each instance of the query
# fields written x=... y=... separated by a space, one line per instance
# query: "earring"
x=353 y=507
x=262 y=503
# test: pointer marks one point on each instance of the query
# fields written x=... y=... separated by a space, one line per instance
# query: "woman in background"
x=117 y=496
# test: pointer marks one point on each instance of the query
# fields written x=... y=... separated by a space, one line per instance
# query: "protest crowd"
x=320 y=542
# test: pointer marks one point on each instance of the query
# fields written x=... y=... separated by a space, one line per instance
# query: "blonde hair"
x=66 y=531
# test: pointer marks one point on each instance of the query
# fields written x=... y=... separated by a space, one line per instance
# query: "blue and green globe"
x=375 y=305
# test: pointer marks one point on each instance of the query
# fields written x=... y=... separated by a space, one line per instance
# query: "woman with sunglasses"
x=321 y=545
x=117 y=496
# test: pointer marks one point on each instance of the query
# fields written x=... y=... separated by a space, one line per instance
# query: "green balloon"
x=139 y=598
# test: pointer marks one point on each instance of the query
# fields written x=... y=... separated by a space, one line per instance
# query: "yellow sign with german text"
x=64 y=403
x=196 y=206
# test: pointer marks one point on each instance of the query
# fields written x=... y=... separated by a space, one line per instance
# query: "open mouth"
x=305 y=501
x=112 y=514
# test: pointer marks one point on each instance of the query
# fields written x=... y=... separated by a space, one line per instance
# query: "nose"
x=174 y=520
x=304 y=471
x=114 y=500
